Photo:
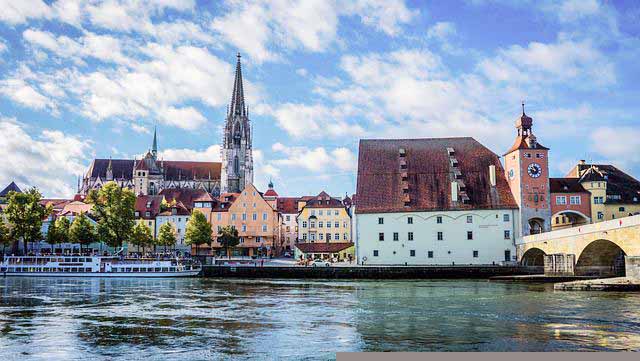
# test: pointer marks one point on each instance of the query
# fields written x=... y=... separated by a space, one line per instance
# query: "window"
x=621 y=209
x=409 y=220
x=254 y=216
x=328 y=224
x=380 y=220
x=412 y=253
x=475 y=254
x=346 y=236
x=233 y=216
x=539 y=155
x=304 y=224
x=507 y=234
x=312 y=224
x=313 y=212
x=439 y=219
x=505 y=217
x=527 y=155
x=430 y=254
x=337 y=224
x=469 y=235
x=288 y=218
x=375 y=253
x=344 y=224
x=264 y=228
x=321 y=236
x=244 y=216
x=328 y=237
x=244 y=228
x=304 y=236
x=264 y=216
x=574 y=200
x=147 y=214
x=320 y=224
x=336 y=213
x=410 y=236
x=380 y=236
x=395 y=236
x=598 y=200
x=600 y=215
x=561 y=200
x=440 y=236
x=469 y=219
x=320 y=212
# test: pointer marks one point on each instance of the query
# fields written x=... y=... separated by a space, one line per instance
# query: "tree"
x=25 y=215
x=228 y=237
x=58 y=231
x=141 y=236
x=6 y=235
x=166 y=235
x=82 y=231
x=114 y=208
x=198 y=230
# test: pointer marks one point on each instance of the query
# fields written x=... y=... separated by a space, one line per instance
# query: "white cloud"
x=3 y=46
x=314 y=121
x=262 y=28
x=17 y=12
x=186 y=118
x=618 y=151
x=21 y=92
x=316 y=160
x=441 y=30
x=140 y=128
x=209 y=154
x=46 y=160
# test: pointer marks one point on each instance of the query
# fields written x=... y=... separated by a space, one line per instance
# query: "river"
x=193 y=319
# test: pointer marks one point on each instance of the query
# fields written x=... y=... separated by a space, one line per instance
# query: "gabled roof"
x=323 y=247
x=12 y=187
x=270 y=193
x=521 y=143
x=187 y=196
x=621 y=187
x=566 y=185
x=427 y=176
x=153 y=202
x=324 y=200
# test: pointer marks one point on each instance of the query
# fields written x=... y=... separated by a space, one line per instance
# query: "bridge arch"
x=533 y=257
x=568 y=218
x=601 y=257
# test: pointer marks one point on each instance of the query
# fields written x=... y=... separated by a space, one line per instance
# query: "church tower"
x=527 y=168
x=237 y=159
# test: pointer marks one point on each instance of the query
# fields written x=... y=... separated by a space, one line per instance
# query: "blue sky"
x=85 y=79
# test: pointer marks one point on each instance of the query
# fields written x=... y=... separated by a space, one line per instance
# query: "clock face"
x=534 y=170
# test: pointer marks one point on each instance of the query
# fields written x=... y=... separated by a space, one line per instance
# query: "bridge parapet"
x=631 y=221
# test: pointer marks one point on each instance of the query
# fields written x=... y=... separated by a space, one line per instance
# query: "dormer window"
x=148 y=204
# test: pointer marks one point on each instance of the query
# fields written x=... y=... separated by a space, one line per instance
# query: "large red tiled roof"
x=287 y=205
x=186 y=196
x=429 y=174
x=521 y=143
x=154 y=203
x=323 y=247
x=566 y=185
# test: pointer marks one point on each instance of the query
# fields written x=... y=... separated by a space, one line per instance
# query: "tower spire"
x=237 y=98
x=154 y=147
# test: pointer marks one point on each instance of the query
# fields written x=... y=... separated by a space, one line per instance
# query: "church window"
x=236 y=165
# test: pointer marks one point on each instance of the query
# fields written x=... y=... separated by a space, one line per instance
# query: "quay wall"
x=365 y=272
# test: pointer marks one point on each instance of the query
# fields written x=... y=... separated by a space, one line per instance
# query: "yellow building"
x=323 y=219
x=614 y=194
x=256 y=219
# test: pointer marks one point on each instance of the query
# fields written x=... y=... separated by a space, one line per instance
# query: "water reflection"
x=67 y=318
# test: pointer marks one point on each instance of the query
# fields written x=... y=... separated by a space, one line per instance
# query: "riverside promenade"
x=364 y=272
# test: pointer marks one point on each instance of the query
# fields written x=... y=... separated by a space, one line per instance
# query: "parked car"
x=320 y=263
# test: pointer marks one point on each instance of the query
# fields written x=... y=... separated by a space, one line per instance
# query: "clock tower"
x=527 y=166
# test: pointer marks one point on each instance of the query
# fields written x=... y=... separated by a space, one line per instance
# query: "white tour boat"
x=96 y=266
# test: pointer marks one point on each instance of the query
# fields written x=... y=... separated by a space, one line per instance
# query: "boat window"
x=87 y=269
x=165 y=269
x=127 y=269
x=136 y=269
x=173 y=269
x=157 y=269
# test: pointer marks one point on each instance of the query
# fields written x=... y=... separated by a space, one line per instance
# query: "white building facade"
x=436 y=238
x=179 y=221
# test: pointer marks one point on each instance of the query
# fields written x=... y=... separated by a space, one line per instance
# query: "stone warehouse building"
x=433 y=201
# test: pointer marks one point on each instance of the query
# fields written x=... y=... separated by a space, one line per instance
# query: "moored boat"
x=97 y=266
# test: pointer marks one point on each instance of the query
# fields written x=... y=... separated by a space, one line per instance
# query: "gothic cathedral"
x=527 y=167
x=237 y=159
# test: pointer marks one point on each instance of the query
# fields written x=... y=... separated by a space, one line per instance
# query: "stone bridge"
x=603 y=249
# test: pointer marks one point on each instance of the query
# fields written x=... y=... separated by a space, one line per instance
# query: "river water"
x=193 y=319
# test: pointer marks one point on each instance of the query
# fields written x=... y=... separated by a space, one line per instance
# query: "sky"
x=91 y=79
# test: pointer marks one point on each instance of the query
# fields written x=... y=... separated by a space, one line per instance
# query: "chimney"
x=492 y=175
x=454 y=191
x=582 y=161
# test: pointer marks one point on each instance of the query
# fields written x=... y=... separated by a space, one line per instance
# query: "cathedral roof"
x=426 y=169
x=173 y=170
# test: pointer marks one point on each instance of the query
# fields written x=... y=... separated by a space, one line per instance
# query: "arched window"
x=237 y=134
x=236 y=165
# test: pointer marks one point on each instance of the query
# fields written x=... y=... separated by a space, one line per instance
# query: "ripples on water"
x=58 y=318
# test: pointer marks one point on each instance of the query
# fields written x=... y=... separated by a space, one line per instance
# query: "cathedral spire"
x=237 y=98
x=154 y=147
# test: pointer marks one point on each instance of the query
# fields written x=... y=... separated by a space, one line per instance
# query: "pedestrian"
x=262 y=262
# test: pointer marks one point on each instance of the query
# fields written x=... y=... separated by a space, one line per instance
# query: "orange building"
x=253 y=215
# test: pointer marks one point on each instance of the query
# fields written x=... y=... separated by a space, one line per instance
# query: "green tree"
x=198 y=230
x=166 y=236
x=82 y=231
x=25 y=215
x=141 y=236
x=6 y=236
x=58 y=231
x=228 y=237
x=114 y=208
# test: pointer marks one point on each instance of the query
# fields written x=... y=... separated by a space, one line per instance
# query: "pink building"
x=570 y=203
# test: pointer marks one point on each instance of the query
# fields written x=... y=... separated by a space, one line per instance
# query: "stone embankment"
x=626 y=284
x=363 y=272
